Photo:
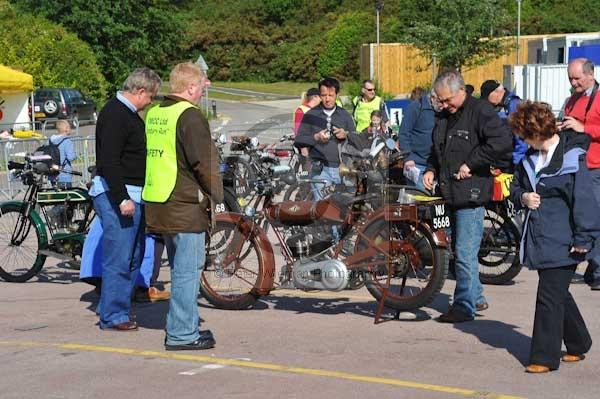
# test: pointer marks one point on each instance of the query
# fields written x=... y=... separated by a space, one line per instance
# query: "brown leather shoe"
x=537 y=369
x=152 y=294
x=125 y=326
x=480 y=307
x=572 y=358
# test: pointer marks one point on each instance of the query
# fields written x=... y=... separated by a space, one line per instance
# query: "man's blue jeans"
x=331 y=175
x=592 y=273
x=122 y=253
x=467 y=233
x=187 y=256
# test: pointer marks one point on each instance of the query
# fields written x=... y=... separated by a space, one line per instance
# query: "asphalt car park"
x=292 y=344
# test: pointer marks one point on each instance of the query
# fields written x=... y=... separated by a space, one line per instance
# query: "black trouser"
x=557 y=318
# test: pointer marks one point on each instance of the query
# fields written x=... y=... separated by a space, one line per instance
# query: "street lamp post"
x=518 y=32
x=378 y=8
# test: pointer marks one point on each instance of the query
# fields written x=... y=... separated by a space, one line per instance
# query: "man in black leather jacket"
x=468 y=140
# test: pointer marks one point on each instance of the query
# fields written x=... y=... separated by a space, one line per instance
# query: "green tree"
x=459 y=33
x=556 y=16
x=53 y=56
x=342 y=50
x=125 y=36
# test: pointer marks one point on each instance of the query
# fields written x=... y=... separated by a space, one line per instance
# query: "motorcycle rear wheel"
x=499 y=260
x=231 y=286
x=411 y=285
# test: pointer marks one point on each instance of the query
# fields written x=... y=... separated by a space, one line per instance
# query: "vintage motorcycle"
x=49 y=221
x=398 y=248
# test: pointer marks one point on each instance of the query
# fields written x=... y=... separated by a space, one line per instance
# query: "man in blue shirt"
x=415 y=137
x=121 y=169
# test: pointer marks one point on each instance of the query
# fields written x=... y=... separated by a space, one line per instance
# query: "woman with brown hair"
x=560 y=230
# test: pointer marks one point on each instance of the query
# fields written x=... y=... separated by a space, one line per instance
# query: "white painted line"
x=223 y=124
x=202 y=369
x=213 y=366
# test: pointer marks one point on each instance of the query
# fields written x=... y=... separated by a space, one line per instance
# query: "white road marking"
x=202 y=369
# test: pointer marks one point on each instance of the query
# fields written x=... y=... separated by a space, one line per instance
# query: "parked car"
x=65 y=103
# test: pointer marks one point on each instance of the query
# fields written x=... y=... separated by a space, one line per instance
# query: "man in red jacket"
x=582 y=114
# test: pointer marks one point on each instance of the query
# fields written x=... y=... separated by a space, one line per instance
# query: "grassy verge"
x=286 y=88
x=215 y=95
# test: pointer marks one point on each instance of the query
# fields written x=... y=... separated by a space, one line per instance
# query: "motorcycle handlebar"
x=16 y=165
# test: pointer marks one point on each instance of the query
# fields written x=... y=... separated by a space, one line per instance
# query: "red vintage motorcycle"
x=398 y=249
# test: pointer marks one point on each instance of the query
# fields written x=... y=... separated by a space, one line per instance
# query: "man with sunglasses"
x=468 y=139
x=365 y=104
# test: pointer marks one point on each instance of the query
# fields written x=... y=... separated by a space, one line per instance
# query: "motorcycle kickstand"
x=381 y=306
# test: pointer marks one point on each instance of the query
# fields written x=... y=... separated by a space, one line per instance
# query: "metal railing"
x=85 y=148
x=16 y=149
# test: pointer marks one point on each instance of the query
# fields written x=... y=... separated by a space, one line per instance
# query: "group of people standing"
x=456 y=143
x=158 y=175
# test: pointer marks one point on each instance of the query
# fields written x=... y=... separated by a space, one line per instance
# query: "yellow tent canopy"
x=12 y=81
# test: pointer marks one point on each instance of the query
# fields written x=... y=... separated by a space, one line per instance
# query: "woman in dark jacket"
x=561 y=227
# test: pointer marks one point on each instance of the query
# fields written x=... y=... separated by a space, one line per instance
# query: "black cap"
x=313 y=91
x=487 y=87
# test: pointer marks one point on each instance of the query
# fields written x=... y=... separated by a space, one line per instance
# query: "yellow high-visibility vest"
x=161 y=152
x=363 y=110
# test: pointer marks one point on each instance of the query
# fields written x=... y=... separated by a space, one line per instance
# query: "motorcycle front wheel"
x=416 y=270
x=234 y=266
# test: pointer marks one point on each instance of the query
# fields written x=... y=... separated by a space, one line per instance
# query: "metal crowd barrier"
x=15 y=150
x=266 y=133
x=85 y=148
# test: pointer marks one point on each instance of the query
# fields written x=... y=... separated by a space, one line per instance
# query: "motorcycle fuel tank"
x=303 y=213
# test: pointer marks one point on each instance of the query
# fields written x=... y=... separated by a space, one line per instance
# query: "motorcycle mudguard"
x=264 y=282
x=37 y=222
x=409 y=213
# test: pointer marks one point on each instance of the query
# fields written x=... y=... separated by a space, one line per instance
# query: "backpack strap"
x=66 y=161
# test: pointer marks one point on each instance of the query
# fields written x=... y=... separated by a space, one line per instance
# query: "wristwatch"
x=123 y=202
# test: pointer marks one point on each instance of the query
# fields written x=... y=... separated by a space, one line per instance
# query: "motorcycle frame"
x=249 y=226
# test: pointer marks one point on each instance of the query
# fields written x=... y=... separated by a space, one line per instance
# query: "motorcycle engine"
x=328 y=274
x=303 y=244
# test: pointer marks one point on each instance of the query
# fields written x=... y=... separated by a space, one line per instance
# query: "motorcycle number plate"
x=441 y=219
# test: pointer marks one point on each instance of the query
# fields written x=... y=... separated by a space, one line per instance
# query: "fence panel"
x=17 y=149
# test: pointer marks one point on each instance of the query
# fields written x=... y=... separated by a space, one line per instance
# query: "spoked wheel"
x=20 y=256
x=234 y=265
x=298 y=192
x=416 y=269
x=499 y=251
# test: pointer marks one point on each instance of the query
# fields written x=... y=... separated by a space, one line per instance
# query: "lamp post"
x=204 y=66
x=378 y=8
x=518 y=32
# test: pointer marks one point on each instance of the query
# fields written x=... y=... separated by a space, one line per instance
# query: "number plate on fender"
x=441 y=219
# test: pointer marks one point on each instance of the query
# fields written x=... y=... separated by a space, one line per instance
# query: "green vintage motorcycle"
x=49 y=221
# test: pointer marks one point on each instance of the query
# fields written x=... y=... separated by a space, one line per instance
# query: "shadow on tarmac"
x=499 y=335
x=148 y=315
x=342 y=304
x=57 y=275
